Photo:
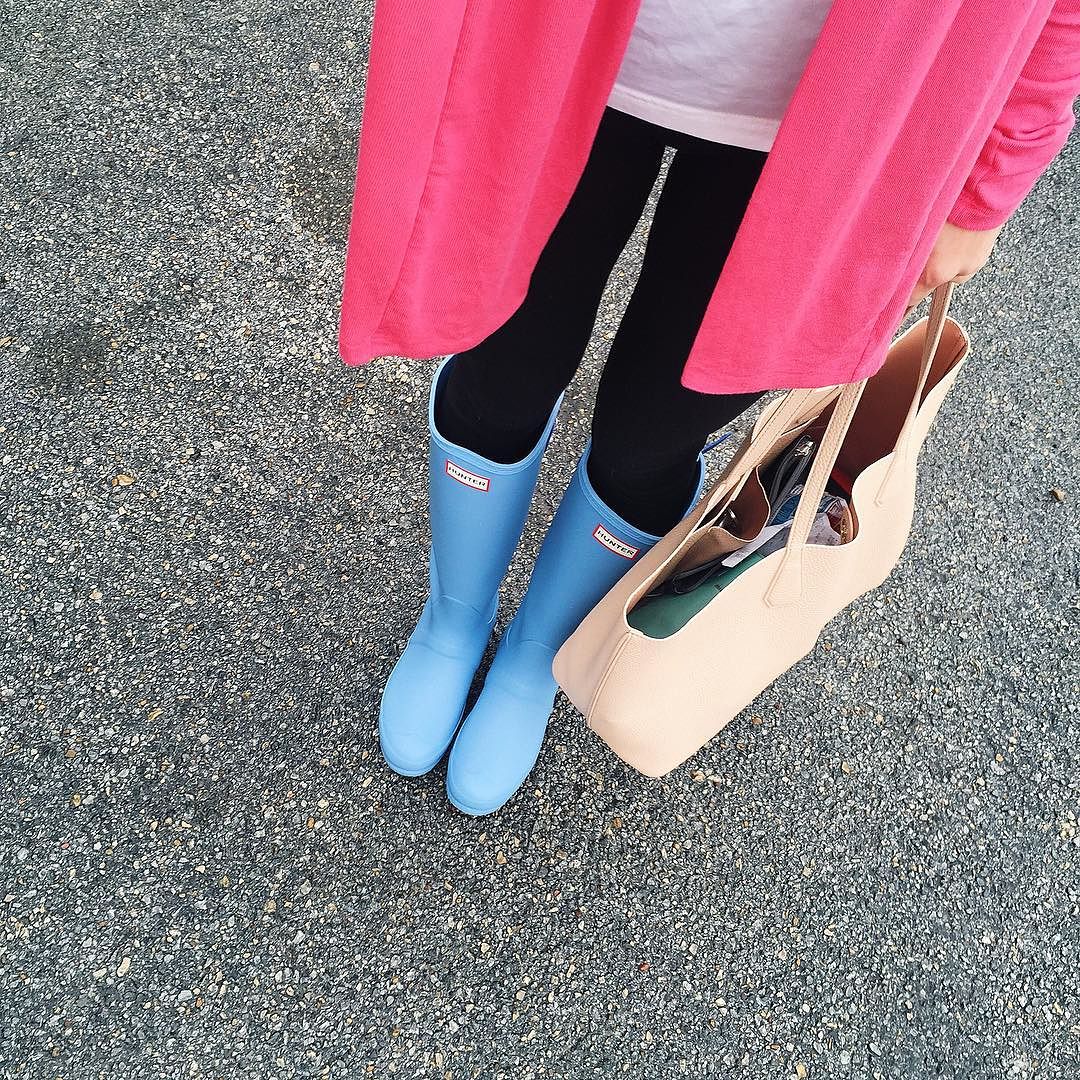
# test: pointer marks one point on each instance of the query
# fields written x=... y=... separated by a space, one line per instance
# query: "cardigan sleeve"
x=1032 y=129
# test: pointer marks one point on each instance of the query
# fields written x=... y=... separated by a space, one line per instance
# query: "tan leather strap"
x=754 y=450
x=939 y=312
x=786 y=586
x=790 y=412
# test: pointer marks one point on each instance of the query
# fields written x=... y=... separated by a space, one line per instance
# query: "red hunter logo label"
x=469 y=479
x=613 y=543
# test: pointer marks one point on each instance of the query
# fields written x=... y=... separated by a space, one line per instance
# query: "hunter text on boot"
x=463 y=476
x=613 y=543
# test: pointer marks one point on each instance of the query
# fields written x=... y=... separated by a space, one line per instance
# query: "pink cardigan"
x=478 y=120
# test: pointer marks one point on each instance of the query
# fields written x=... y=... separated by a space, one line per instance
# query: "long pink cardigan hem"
x=478 y=119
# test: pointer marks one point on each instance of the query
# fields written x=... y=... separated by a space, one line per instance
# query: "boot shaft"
x=478 y=509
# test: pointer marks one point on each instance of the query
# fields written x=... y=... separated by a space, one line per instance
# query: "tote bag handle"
x=940 y=301
x=786 y=586
x=755 y=451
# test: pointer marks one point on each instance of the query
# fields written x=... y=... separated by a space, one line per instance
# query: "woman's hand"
x=959 y=254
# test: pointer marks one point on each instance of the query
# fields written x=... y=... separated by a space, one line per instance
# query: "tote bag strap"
x=940 y=301
x=786 y=586
x=756 y=449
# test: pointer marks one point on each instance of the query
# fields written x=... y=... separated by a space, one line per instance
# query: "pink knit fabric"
x=478 y=120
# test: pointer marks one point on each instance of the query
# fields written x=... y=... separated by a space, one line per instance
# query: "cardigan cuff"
x=973 y=214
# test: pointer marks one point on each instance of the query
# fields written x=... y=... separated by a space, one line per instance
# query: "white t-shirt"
x=724 y=70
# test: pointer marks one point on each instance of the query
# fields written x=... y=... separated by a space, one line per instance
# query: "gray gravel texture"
x=212 y=550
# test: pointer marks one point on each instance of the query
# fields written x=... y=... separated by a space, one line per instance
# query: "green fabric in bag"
x=662 y=616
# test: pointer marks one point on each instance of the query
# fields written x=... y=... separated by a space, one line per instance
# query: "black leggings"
x=647 y=428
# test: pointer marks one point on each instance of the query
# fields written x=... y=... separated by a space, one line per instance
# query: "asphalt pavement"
x=212 y=548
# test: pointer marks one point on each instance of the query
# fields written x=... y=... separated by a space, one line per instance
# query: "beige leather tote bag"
x=655 y=701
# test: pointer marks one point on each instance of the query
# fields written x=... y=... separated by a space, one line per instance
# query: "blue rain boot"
x=587 y=549
x=478 y=510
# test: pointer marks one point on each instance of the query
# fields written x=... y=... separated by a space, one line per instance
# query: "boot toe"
x=420 y=711
x=410 y=752
x=495 y=750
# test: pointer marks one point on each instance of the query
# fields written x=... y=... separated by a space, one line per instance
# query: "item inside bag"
x=675 y=601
